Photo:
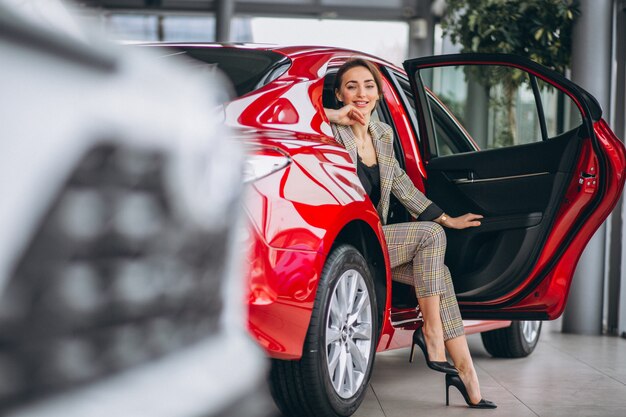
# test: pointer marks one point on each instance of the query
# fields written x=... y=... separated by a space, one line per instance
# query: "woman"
x=416 y=249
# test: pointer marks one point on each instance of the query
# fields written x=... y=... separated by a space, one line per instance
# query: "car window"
x=403 y=87
x=498 y=106
x=452 y=139
x=261 y=67
x=562 y=114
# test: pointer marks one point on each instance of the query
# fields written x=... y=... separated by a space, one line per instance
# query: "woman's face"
x=359 y=89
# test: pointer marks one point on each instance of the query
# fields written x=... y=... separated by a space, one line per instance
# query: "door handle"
x=469 y=179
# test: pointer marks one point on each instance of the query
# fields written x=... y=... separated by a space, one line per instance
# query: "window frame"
x=538 y=101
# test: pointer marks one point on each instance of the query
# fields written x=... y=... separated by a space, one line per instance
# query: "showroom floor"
x=567 y=375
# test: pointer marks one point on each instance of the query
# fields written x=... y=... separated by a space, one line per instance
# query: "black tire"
x=303 y=388
x=516 y=341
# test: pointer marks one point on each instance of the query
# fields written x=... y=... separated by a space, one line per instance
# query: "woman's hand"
x=347 y=115
x=461 y=222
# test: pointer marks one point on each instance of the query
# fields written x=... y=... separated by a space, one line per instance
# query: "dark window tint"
x=248 y=70
x=450 y=138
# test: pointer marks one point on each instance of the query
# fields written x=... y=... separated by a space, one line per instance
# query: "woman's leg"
x=459 y=351
x=455 y=340
x=433 y=327
x=423 y=245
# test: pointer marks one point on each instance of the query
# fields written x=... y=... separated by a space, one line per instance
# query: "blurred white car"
x=120 y=293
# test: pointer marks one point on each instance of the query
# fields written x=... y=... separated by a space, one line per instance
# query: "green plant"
x=537 y=29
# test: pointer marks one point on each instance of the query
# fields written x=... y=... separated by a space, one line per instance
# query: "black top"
x=370 y=179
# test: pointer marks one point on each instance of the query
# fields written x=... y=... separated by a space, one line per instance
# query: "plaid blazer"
x=393 y=179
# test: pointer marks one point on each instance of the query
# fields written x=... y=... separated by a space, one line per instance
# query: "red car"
x=497 y=135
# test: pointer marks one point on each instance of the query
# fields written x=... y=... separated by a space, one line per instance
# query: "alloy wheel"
x=530 y=330
x=348 y=333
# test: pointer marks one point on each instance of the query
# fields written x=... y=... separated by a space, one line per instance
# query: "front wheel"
x=516 y=341
x=338 y=354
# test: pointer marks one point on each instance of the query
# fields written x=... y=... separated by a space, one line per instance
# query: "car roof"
x=291 y=51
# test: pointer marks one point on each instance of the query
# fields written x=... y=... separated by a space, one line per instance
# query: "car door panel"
x=513 y=189
x=527 y=194
x=488 y=178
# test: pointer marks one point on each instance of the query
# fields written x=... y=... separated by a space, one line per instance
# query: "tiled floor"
x=567 y=375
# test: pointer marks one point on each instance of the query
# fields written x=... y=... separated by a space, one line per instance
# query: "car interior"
x=518 y=189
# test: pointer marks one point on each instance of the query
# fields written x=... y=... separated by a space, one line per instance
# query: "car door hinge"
x=588 y=179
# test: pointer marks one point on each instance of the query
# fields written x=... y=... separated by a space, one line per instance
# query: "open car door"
x=518 y=143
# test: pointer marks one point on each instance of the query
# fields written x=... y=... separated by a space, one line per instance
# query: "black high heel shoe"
x=455 y=381
x=442 y=366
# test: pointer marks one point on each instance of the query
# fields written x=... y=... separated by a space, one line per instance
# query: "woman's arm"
x=347 y=115
x=416 y=202
x=409 y=195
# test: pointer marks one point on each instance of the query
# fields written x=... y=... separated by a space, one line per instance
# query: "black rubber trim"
x=539 y=104
x=589 y=102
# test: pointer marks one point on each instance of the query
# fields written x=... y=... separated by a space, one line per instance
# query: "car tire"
x=516 y=341
x=314 y=385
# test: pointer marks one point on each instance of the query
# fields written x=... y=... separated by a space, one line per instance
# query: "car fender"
x=296 y=217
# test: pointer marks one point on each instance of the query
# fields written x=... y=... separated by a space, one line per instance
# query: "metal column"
x=223 y=16
x=591 y=68
x=617 y=262
x=422 y=31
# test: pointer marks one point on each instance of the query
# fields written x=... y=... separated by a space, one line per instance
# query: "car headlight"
x=262 y=161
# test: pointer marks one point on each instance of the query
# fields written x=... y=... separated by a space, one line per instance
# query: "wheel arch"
x=359 y=234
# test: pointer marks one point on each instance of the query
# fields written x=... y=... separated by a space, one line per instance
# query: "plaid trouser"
x=416 y=253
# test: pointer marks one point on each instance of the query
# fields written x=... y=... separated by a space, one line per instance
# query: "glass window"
x=188 y=28
x=450 y=137
x=131 y=27
x=496 y=105
x=171 y=28
x=562 y=114
x=261 y=67
x=406 y=93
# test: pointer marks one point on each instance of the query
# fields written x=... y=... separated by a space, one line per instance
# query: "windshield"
x=247 y=69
